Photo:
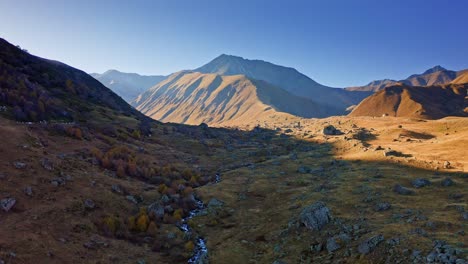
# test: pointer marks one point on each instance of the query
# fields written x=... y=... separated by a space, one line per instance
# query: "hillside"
x=432 y=102
x=436 y=75
x=36 y=89
x=194 y=98
x=286 y=78
x=127 y=85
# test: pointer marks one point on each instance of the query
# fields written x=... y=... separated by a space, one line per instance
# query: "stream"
x=200 y=254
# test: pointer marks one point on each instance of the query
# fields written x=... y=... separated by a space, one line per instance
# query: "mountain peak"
x=436 y=68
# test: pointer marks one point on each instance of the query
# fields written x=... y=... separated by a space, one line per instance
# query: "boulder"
x=332 y=245
x=331 y=131
x=28 y=191
x=447 y=182
x=89 y=204
x=370 y=244
x=315 y=216
x=304 y=169
x=382 y=207
x=156 y=210
x=420 y=182
x=215 y=203
x=19 y=165
x=446 y=164
x=402 y=190
x=7 y=204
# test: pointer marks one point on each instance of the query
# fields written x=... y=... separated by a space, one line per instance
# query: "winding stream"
x=200 y=254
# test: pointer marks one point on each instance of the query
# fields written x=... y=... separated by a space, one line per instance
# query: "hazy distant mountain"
x=127 y=85
x=437 y=75
x=286 y=78
x=431 y=102
x=193 y=98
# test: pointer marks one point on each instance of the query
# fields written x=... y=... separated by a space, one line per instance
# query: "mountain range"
x=436 y=75
x=127 y=85
x=234 y=90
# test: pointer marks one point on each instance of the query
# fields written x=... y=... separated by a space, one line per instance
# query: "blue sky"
x=337 y=43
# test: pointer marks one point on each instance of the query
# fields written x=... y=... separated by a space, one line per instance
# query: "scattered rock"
x=332 y=245
x=47 y=164
x=19 y=165
x=304 y=169
x=156 y=209
x=58 y=182
x=7 y=204
x=447 y=182
x=420 y=182
x=382 y=206
x=465 y=216
x=315 y=216
x=215 y=203
x=446 y=164
x=402 y=190
x=370 y=244
x=28 y=191
x=331 y=131
x=117 y=188
x=132 y=199
x=89 y=204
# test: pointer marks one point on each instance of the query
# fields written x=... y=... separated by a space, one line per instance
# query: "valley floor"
x=268 y=177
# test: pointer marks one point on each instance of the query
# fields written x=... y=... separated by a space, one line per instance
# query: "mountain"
x=193 y=98
x=430 y=102
x=39 y=89
x=127 y=85
x=286 y=78
x=436 y=75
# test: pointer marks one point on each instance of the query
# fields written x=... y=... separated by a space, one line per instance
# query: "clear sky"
x=337 y=43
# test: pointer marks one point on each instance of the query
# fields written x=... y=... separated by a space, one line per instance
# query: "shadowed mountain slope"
x=40 y=89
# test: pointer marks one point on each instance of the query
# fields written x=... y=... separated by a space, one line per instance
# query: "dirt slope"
x=419 y=102
x=194 y=98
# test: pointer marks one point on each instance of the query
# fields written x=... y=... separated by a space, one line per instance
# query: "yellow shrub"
x=189 y=246
x=111 y=224
x=142 y=223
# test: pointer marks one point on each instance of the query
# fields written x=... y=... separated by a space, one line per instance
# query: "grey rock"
x=215 y=203
x=47 y=164
x=28 y=191
x=331 y=131
x=156 y=209
x=402 y=190
x=370 y=244
x=165 y=199
x=7 y=204
x=332 y=245
x=304 y=169
x=117 y=188
x=465 y=216
x=382 y=206
x=315 y=216
x=447 y=182
x=89 y=204
x=420 y=182
x=19 y=165
x=58 y=182
x=132 y=199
